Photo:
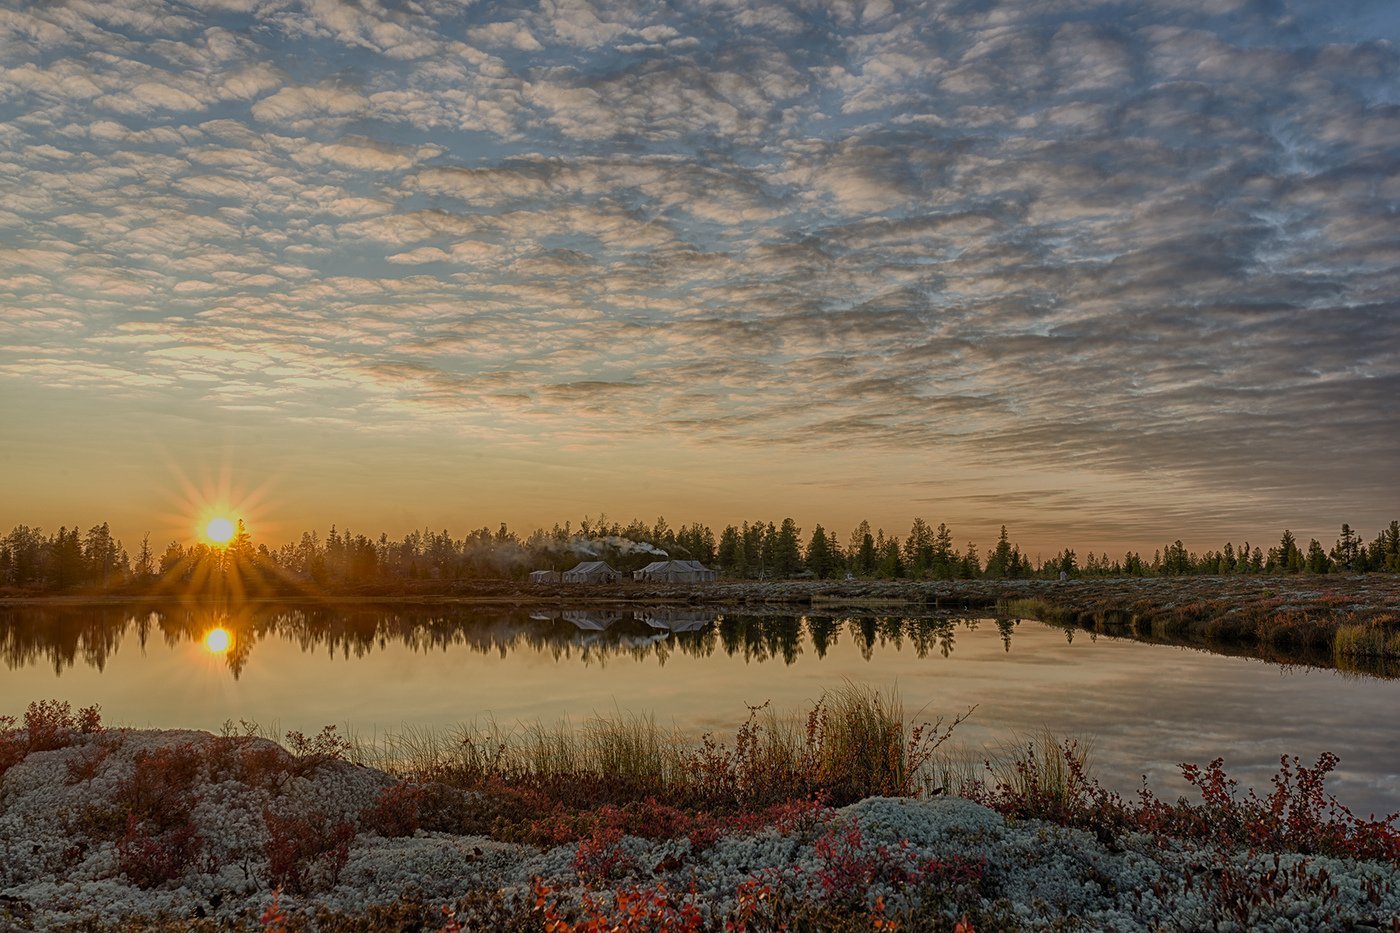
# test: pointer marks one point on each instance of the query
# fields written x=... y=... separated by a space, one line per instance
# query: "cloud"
x=302 y=106
x=1157 y=249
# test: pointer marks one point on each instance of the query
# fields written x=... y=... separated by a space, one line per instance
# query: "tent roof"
x=589 y=566
x=673 y=565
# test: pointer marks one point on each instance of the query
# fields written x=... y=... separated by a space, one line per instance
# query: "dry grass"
x=1366 y=640
x=854 y=742
x=1032 y=607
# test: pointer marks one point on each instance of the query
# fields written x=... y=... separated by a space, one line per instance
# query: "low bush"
x=1297 y=815
x=305 y=851
x=47 y=725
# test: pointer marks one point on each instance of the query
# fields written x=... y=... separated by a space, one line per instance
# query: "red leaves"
x=149 y=856
x=48 y=725
x=395 y=811
x=652 y=909
x=305 y=851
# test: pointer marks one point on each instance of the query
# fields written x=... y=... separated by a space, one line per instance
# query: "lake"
x=377 y=669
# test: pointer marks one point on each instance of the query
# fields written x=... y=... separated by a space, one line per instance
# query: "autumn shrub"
x=47 y=725
x=310 y=753
x=305 y=851
x=652 y=819
x=600 y=856
x=86 y=766
x=161 y=785
x=394 y=811
x=1296 y=815
x=13 y=745
x=633 y=909
x=848 y=866
x=149 y=813
x=150 y=855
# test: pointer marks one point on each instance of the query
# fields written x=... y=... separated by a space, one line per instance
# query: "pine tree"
x=145 y=560
x=787 y=549
x=1289 y=559
x=918 y=549
x=819 y=558
x=867 y=559
x=1345 y=550
x=891 y=564
x=999 y=563
x=1317 y=559
x=944 y=557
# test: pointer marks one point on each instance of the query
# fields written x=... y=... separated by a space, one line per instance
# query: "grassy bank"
x=1348 y=623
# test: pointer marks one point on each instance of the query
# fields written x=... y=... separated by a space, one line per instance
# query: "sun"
x=219 y=531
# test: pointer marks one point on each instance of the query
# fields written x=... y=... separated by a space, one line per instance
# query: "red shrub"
x=395 y=811
x=305 y=851
x=599 y=856
x=86 y=765
x=311 y=753
x=848 y=867
x=1298 y=815
x=13 y=747
x=49 y=724
x=161 y=786
x=630 y=910
x=149 y=856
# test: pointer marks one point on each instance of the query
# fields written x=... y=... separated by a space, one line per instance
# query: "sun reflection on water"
x=218 y=641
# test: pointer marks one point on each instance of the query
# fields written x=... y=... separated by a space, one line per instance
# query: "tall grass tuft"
x=1032 y=607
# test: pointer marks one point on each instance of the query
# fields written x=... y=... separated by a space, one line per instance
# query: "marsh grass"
x=1041 y=767
x=1367 y=640
x=854 y=742
x=1032 y=607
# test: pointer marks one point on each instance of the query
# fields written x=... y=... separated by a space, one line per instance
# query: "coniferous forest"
x=68 y=560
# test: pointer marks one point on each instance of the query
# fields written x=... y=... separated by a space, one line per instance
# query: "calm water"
x=1146 y=707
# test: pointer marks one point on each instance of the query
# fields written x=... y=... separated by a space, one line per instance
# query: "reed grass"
x=1040 y=764
x=1365 y=641
x=1032 y=607
x=854 y=742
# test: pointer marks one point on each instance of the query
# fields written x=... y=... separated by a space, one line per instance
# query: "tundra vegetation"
x=849 y=817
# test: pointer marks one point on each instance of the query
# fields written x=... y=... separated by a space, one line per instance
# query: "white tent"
x=675 y=571
x=591 y=571
x=544 y=576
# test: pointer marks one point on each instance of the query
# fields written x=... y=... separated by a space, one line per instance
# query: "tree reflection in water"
x=62 y=636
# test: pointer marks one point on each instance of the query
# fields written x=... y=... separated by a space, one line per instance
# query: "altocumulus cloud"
x=1090 y=234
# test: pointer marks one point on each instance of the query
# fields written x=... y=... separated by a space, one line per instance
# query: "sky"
x=1110 y=273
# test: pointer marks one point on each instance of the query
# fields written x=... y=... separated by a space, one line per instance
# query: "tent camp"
x=591 y=571
x=675 y=571
x=544 y=576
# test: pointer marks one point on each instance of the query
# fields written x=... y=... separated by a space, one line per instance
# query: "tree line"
x=31 y=560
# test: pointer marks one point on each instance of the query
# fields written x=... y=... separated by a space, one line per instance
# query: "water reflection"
x=63 y=637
